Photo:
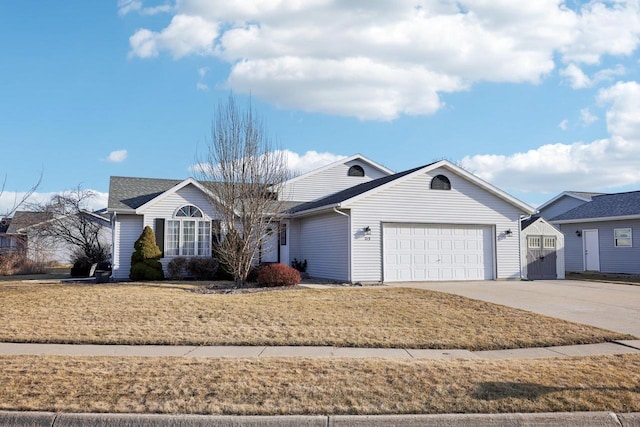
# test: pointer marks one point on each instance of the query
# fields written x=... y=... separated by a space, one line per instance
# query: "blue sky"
x=535 y=97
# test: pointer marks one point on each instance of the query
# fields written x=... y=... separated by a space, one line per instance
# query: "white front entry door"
x=417 y=252
x=591 y=250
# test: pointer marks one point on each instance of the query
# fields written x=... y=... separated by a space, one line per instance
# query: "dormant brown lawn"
x=361 y=317
x=318 y=386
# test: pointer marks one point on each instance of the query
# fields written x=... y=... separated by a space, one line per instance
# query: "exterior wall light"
x=508 y=233
x=367 y=231
x=578 y=233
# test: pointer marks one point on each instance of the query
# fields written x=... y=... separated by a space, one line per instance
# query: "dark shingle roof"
x=343 y=195
x=131 y=193
x=22 y=219
x=604 y=206
x=527 y=222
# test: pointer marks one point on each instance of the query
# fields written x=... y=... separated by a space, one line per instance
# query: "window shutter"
x=159 y=232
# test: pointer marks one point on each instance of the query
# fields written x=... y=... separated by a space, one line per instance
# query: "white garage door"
x=415 y=252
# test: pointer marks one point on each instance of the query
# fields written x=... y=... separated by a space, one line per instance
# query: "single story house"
x=353 y=220
x=542 y=250
x=23 y=228
x=599 y=234
x=564 y=202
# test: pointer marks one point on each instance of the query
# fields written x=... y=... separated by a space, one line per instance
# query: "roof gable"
x=604 y=207
x=353 y=194
x=340 y=162
x=584 y=196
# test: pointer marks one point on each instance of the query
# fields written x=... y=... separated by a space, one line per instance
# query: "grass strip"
x=346 y=317
x=318 y=386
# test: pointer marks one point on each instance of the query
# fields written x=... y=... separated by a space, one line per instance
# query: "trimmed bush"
x=202 y=268
x=177 y=268
x=149 y=269
x=144 y=260
x=278 y=275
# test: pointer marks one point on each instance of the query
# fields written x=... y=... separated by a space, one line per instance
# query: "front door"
x=591 y=250
x=541 y=257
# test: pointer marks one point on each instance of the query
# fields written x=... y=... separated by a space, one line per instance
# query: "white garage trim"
x=436 y=252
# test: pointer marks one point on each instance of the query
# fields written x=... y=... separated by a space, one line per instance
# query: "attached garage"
x=417 y=252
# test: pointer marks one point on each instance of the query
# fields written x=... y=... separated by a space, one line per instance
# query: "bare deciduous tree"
x=17 y=201
x=244 y=174
x=68 y=220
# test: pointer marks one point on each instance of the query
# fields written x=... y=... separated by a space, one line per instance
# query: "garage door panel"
x=437 y=252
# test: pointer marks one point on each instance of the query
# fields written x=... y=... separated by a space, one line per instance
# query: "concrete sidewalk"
x=577 y=419
x=616 y=347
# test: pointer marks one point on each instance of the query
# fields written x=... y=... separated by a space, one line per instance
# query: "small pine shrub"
x=278 y=275
x=144 y=260
x=177 y=268
x=202 y=268
x=149 y=269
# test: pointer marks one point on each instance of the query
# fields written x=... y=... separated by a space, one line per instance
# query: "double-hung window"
x=188 y=233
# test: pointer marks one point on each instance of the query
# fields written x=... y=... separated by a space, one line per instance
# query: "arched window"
x=189 y=211
x=188 y=233
x=440 y=182
x=355 y=170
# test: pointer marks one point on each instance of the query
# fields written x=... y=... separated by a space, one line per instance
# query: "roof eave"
x=314 y=211
x=599 y=219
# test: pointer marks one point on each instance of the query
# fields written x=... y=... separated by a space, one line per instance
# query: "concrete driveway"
x=606 y=305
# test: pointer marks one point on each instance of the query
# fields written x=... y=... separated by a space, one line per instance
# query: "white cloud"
x=310 y=160
x=8 y=200
x=126 y=6
x=586 y=117
x=577 y=78
x=201 y=85
x=391 y=58
x=597 y=165
x=185 y=35
x=296 y=163
x=117 y=156
x=564 y=124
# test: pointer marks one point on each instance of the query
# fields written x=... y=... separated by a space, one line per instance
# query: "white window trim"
x=615 y=238
x=197 y=220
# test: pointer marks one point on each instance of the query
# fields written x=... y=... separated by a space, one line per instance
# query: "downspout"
x=349 y=242
x=520 y=249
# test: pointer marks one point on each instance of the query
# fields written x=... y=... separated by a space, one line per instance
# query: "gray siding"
x=412 y=201
x=612 y=259
x=324 y=243
x=127 y=229
x=560 y=206
x=328 y=181
x=543 y=228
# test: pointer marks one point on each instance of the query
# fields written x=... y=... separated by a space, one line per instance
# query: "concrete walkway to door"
x=615 y=307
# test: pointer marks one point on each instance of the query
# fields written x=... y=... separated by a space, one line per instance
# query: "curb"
x=50 y=419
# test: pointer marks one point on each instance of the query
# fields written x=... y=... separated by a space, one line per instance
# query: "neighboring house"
x=564 y=202
x=24 y=225
x=542 y=250
x=9 y=243
x=599 y=234
x=352 y=220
